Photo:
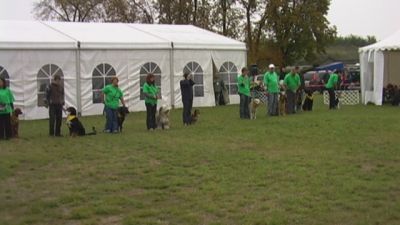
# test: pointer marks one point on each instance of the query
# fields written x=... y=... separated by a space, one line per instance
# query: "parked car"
x=315 y=80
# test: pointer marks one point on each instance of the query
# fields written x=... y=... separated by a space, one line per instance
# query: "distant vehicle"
x=315 y=80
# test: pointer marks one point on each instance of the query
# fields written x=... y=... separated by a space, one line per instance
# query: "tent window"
x=147 y=68
x=195 y=69
x=229 y=73
x=43 y=80
x=101 y=76
x=4 y=74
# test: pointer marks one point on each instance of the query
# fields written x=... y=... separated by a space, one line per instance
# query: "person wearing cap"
x=292 y=83
x=112 y=94
x=243 y=82
x=330 y=86
x=55 y=102
x=271 y=82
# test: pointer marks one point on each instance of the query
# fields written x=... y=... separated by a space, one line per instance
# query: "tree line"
x=279 y=31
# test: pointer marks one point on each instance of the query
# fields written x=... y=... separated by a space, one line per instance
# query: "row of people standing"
x=292 y=84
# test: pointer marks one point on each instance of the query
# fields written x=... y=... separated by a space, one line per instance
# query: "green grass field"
x=322 y=167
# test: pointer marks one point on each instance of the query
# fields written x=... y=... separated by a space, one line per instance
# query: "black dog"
x=75 y=126
x=122 y=111
x=308 y=101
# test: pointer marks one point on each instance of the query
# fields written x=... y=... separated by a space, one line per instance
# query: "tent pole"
x=78 y=79
x=172 y=75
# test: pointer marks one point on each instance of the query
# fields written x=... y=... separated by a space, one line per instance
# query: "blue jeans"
x=111 y=120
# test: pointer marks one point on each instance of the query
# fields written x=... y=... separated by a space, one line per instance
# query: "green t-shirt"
x=6 y=98
x=113 y=95
x=150 y=90
x=271 y=81
x=243 y=85
x=333 y=79
x=292 y=82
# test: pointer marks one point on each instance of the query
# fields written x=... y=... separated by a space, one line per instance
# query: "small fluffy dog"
x=282 y=103
x=162 y=118
x=195 y=116
x=308 y=101
x=255 y=102
x=75 y=126
x=15 y=122
x=122 y=112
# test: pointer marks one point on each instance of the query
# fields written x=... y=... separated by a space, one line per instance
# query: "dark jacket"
x=187 y=90
x=55 y=94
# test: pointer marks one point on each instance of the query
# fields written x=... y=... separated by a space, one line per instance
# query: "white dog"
x=255 y=102
x=162 y=117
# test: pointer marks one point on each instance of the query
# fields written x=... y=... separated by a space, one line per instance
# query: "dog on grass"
x=122 y=112
x=254 y=103
x=282 y=103
x=75 y=126
x=162 y=118
x=308 y=101
x=195 y=116
x=338 y=100
x=15 y=122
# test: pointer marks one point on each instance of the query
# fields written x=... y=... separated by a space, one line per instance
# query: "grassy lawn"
x=321 y=167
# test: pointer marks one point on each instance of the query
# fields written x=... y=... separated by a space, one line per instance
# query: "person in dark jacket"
x=55 y=101
x=187 y=98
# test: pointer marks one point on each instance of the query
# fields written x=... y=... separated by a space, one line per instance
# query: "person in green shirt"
x=271 y=82
x=243 y=82
x=112 y=95
x=152 y=94
x=292 y=83
x=331 y=86
x=6 y=108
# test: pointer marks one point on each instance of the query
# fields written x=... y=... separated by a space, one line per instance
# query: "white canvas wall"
x=238 y=58
x=127 y=64
x=23 y=67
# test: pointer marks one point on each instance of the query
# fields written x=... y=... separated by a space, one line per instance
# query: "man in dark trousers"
x=187 y=98
x=55 y=101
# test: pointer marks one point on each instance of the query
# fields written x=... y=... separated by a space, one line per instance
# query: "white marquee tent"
x=87 y=55
x=380 y=65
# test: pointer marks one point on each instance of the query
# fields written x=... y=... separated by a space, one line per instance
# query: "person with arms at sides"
x=152 y=94
x=271 y=82
x=243 y=81
x=292 y=83
x=55 y=102
x=6 y=108
x=112 y=95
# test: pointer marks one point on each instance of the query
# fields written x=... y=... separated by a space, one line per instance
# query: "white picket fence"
x=348 y=97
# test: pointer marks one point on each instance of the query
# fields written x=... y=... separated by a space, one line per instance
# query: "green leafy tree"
x=299 y=28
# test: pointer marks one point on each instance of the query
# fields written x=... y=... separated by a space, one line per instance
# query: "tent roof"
x=109 y=35
x=32 y=34
x=62 y=35
x=390 y=43
x=190 y=37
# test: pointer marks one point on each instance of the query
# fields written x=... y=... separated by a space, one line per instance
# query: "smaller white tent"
x=380 y=65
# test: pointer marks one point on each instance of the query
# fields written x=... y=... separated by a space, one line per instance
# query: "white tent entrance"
x=380 y=65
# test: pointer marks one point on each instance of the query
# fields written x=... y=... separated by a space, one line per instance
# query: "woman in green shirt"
x=244 y=92
x=6 y=108
x=151 y=94
x=112 y=96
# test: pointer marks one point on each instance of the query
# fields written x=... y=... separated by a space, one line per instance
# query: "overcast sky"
x=379 y=18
